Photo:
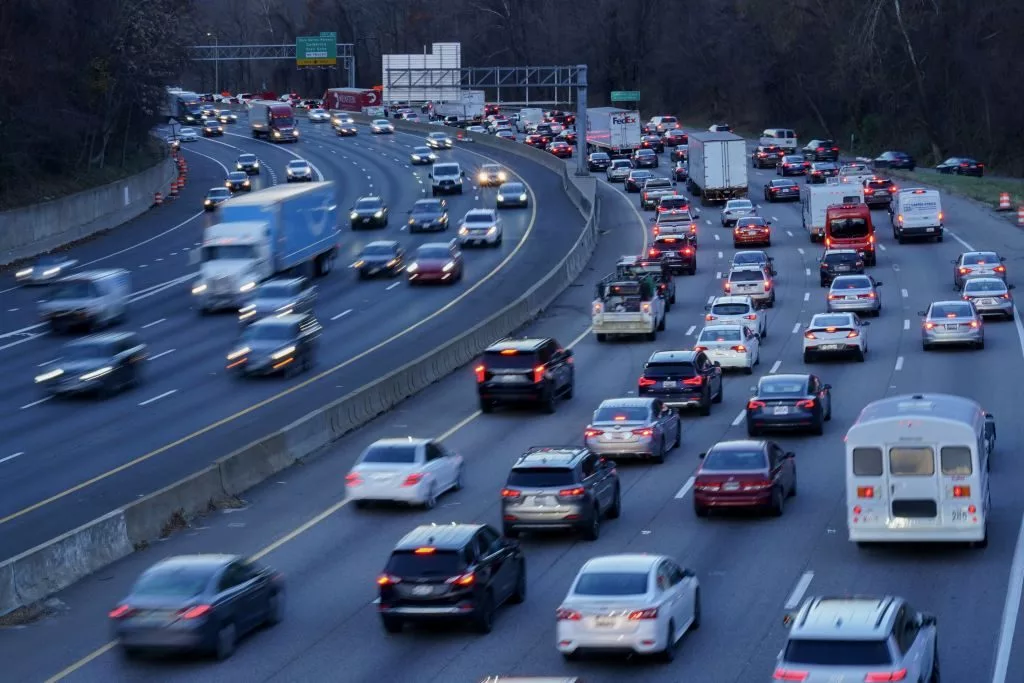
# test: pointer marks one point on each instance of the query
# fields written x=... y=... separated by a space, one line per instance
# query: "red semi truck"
x=351 y=99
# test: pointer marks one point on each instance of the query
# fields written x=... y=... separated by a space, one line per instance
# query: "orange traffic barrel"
x=1004 y=201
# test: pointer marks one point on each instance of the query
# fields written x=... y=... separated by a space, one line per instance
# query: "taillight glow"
x=387 y=580
x=639 y=614
x=809 y=335
x=754 y=404
x=687 y=252
x=1000 y=269
x=700 y=348
x=481 y=373
x=563 y=614
x=647 y=382
x=790 y=674
x=710 y=317
x=740 y=348
x=767 y=284
x=196 y=612
x=426 y=550
x=353 y=479
x=853 y=334
x=964 y=271
x=466 y=579
x=865 y=491
x=653 y=252
x=806 y=403
x=929 y=326
x=538 y=374
x=576 y=492
x=644 y=432
x=589 y=433
x=750 y=316
x=120 y=612
x=961 y=491
x=412 y=480
x=694 y=381
x=510 y=493
x=883 y=676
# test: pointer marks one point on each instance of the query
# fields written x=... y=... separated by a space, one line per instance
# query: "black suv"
x=535 y=371
x=598 y=161
x=560 y=487
x=458 y=571
x=682 y=379
x=766 y=156
x=839 y=262
x=677 y=252
x=821 y=150
x=878 y=191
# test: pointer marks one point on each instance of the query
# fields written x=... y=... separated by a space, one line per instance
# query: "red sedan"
x=562 y=150
x=744 y=474
x=752 y=230
x=436 y=262
x=537 y=141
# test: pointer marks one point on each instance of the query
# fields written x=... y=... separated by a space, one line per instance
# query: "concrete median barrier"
x=48 y=568
x=42 y=571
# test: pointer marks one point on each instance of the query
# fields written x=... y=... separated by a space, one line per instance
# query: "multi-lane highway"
x=750 y=568
x=65 y=462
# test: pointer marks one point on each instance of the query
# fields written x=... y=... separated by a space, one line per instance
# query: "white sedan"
x=731 y=346
x=736 y=209
x=628 y=603
x=737 y=310
x=318 y=115
x=381 y=127
x=413 y=471
x=835 y=334
x=188 y=135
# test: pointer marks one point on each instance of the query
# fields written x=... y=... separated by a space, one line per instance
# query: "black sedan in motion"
x=780 y=189
x=238 y=181
x=369 y=212
x=789 y=402
x=384 y=257
x=821 y=171
x=962 y=166
x=215 y=196
x=201 y=603
x=100 y=364
x=598 y=161
x=894 y=159
x=428 y=215
x=635 y=181
x=512 y=195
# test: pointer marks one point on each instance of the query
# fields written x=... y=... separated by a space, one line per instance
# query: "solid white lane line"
x=775 y=219
x=690 y=330
x=157 y=398
x=899 y=363
x=581 y=336
x=12 y=457
x=681 y=493
x=807 y=296
x=1011 y=608
x=738 y=420
x=796 y=328
x=904 y=293
x=906 y=324
x=35 y=403
x=708 y=221
x=162 y=354
x=957 y=238
x=392 y=286
x=800 y=590
x=342 y=314
x=775 y=367
x=49 y=362
x=711 y=299
x=154 y=323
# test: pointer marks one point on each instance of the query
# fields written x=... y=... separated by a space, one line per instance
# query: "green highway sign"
x=321 y=50
x=625 y=96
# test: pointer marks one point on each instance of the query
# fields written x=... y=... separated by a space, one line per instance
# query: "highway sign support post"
x=345 y=52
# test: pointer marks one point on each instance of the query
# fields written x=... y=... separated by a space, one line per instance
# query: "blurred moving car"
x=46 y=269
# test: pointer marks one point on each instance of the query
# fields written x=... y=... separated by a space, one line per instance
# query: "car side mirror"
x=193 y=257
x=790 y=454
x=1002 y=258
x=753 y=390
x=654 y=220
x=1012 y=287
x=608 y=464
x=879 y=284
x=865 y=324
x=928 y=620
x=568 y=353
x=462 y=173
x=707 y=307
x=922 y=313
x=430 y=175
x=953 y=262
x=701 y=455
x=689 y=574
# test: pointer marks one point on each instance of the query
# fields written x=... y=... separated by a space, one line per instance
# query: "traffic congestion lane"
x=210 y=416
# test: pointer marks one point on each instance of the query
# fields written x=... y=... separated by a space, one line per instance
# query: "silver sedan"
x=736 y=209
x=633 y=427
x=952 y=322
x=978 y=264
x=990 y=296
x=855 y=293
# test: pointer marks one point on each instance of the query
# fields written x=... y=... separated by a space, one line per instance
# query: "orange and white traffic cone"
x=158 y=199
x=1020 y=216
x=173 y=192
x=1004 y=201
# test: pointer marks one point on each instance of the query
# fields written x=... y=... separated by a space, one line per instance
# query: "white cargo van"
x=90 y=300
x=917 y=470
x=528 y=119
x=784 y=138
x=917 y=213
x=446 y=178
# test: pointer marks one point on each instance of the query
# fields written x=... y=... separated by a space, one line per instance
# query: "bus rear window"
x=867 y=462
x=956 y=460
x=847 y=228
x=912 y=462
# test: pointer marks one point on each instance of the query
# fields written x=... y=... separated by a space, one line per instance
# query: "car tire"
x=980 y=346
x=483 y=615
x=275 y=610
x=615 y=511
x=749 y=370
x=669 y=653
x=391 y=624
x=518 y=596
x=793 y=489
x=935 y=676
x=661 y=323
x=705 y=406
x=720 y=395
x=659 y=457
x=430 y=502
x=679 y=437
x=548 y=403
x=700 y=510
x=592 y=531
x=752 y=430
x=778 y=506
x=695 y=624
x=227 y=639
x=601 y=337
x=818 y=428
x=860 y=355
x=486 y=406
x=570 y=390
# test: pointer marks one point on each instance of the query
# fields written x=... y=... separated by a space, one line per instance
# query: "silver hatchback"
x=990 y=296
x=952 y=322
x=855 y=293
x=633 y=428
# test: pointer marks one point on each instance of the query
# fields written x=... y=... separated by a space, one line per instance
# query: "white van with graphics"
x=917 y=213
x=917 y=470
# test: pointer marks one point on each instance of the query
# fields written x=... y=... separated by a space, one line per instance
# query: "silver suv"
x=859 y=639
x=560 y=487
x=752 y=281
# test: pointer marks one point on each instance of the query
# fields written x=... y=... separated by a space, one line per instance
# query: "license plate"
x=961 y=516
x=987 y=302
x=154 y=618
x=828 y=347
x=781 y=410
x=672 y=254
x=929 y=229
x=381 y=477
x=366 y=220
x=507 y=378
x=952 y=327
x=422 y=590
x=619 y=436
x=669 y=384
x=731 y=486
x=604 y=622
x=851 y=298
x=543 y=501
x=842 y=268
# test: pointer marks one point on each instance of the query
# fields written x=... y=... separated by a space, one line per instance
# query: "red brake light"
x=929 y=326
x=869 y=295
x=807 y=403
x=196 y=612
x=577 y=492
x=656 y=231
x=643 y=432
x=767 y=284
x=426 y=550
x=1000 y=269
x=973 y=323
x=510 y=493
x=740 y=348
x=481 y=373
x=727 y=286
x=865 y=491
x=687 y=251
x=387 y=580
x=882 y=676
x=753 y=404
x=750 y=316
x=466 y=579
x=120 y=612
x=653 y=252
x=853 y=334
x=710 y=317
x=810 y=335
x=694 y=381
x=412 y=480
x=820 y=149
x=964 y=271
x=538 y=374
x=593 y=432
x=790 y=675
x=647 y=382
x=651 y=613
x=353 y=479
x=961 y=491
x=700 y=348
x=567 y=614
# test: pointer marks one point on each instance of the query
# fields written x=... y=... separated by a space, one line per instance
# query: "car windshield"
x=848 y=227
x=446 y=169
x=268 y=333
x=730 y=309
x=87 y=351
x=247 y=158
x=434 y=563
x=834 y=259
x=511 y=188
x=378 y=250
x=831 y=321
x=219 y=193
x=298 y=165
x=218 y=252
x=368 y=204
x=428 y=206
x=621 y=414
x=599 y=156
x=851 y=283
x=793 y=159
x=541 y=477
x=422 y=150
x=981 y=259
x=433 y=253
x=381 y=122
x=611 y=583
x=74 y=290
x=669 y=370
x=237 y=176
x=173 y=582
x=782 y=387
x=720 y=335
x=951 y=310
x=985 y=286
x=276 y=290
x=490 y=168
x=731 y=206
x=620 y=164
x=728 y=459
x=658 y=184
x=746 y=275
x=438 y=136
x=853 y=653
x=645 y=153
x=390 y=454
x=752 y=221
x=479 y=218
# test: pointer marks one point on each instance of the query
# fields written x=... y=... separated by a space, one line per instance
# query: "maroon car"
x=436 y=262
x=744 y=474
x=562 y=150
x=675 y=137
x=535 y=140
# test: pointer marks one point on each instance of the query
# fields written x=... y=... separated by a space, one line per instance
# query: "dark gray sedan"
x=203 y=603
x=278 y=298
x=383 y=257
x=512 y=194
x=428 y=215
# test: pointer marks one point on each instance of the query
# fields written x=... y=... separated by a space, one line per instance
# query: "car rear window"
x=878 y=183
x=621 y=414
x=952 y=311
x=720 y=336
x=669 y=370
x=782 y=387
x=746 y=276
x=981 y=259
x=854 y=653
x=541 y=477
x=727 y=460
x=519 y=360
x=916 y=461
x=390 y=453
x=173 y=582
x=833 y=259
x=730 y=309
x=435 y=563
x=831 y=321
x=852 y=283
x=867 y=462
x=611 y=583
x=956 y=460
x=978 y=285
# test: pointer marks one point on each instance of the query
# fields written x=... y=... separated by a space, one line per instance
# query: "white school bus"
x=917 y=470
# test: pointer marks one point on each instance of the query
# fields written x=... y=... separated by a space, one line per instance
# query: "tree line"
x=81 y=85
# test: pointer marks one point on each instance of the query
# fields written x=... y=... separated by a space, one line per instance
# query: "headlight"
x=227 y=184
x=412 y=221
x=47 y=376
x=277 y=133
x=378 y=214
x=483 y=177
x=463 y=230
x=392 y=262
x=96 y=374
x=493 y=229
x=413 y=267
x=353 y=215
x=199 y=289
x=359 y=264
x=522 y=197
x=238 y=167
x=208 y=202
x=246 y=313
x=501 y=198
x=448 y=266
x=278 y=355
x=239 y=353
x=247 y=287
x=23 y=273
x=502 y=176
x=255 y=164
x=246 y=183
x=285 y=310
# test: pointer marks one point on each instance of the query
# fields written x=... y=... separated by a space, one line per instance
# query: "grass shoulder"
x=984 y=190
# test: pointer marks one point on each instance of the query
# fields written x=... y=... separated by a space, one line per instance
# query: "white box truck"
x=815 y=200
x=717 y=166
x=613 y=130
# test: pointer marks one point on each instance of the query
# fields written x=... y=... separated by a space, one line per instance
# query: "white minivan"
x=917 y=470
x=917 y=213
x=779 y=137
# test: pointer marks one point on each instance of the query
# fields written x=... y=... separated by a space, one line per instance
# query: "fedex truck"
x=613 y=130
